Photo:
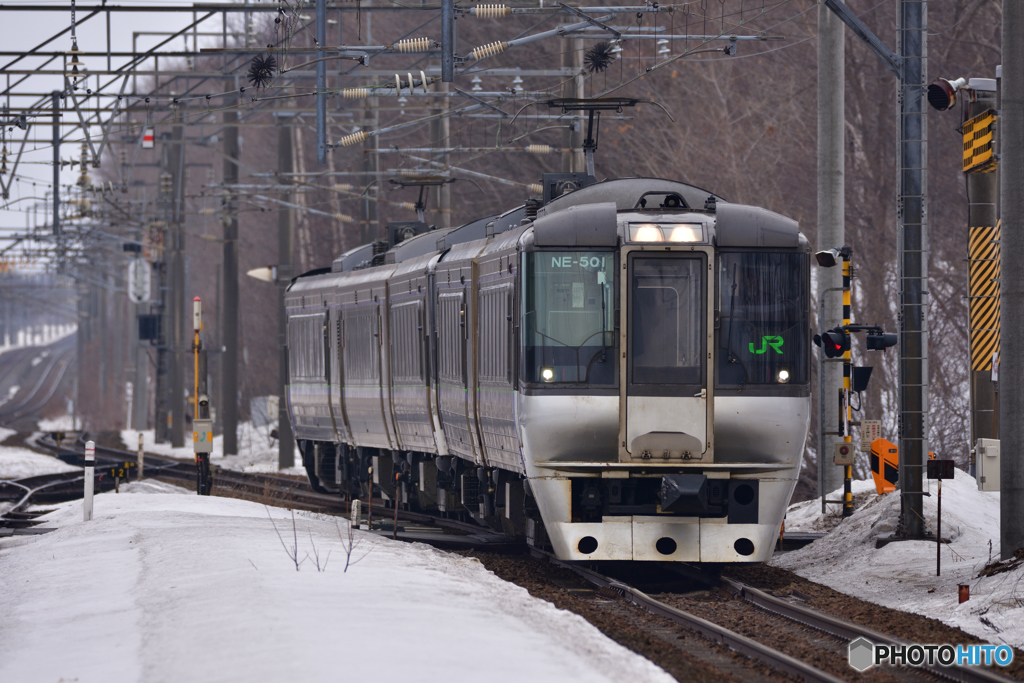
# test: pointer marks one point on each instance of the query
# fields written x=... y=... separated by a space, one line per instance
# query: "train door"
x=666 y=382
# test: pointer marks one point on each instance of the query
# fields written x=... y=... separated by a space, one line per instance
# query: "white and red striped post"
x=90 y=473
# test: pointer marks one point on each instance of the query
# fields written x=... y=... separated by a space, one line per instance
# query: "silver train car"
x=619 y=374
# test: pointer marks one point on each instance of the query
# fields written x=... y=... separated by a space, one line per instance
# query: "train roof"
x=418 y=245
x=627 y=193
x=591 y=216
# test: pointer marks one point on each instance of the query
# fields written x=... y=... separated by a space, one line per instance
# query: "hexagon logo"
x=862 y=654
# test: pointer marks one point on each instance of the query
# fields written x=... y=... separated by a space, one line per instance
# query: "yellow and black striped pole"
x=847 y=364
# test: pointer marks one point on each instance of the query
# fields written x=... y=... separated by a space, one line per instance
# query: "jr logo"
x=766 y=341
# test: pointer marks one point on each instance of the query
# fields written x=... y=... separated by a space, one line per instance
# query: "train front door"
x=666 y=374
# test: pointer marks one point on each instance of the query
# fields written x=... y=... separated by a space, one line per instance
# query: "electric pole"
x=285 y=438
x=177 y=330
x=913 y=264
x=229 y=307
x=831 y=232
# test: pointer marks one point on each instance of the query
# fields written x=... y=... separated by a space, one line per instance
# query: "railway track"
x=45 y=380
x=788 y=637
x=264 y=487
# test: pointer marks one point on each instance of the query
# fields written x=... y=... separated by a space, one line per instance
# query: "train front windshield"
x=569 y=317
x=763 y=333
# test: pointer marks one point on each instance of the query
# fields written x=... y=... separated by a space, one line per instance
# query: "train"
x=617 y=371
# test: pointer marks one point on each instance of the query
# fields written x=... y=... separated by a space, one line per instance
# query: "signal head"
x=942 y=92
x=835 y=342
x=881 y=341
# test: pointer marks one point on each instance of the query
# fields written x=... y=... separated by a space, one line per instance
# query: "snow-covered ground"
x=18 y=463
x=171 y=587
x=902 y=574
x=256 y=451
x=37 y=335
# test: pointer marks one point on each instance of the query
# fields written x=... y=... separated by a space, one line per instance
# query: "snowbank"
x=902 y=574
x=17 y=463
x=256 y=451
x=36 y=335
x=168 y=587
x=61 y=423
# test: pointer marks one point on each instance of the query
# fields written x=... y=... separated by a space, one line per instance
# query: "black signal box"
x=940 y=469
x=149 y=327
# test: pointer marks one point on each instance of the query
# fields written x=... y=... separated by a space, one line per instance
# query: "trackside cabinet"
x=986 y=455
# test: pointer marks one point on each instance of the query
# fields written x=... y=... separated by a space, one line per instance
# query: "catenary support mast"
x=1011 y=198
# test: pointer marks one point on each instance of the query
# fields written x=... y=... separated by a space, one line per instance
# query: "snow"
x=902 y=574
x=171 y=587
x=11 y=392
x=18 y=463
x=256 y=451
x=36 y=335
x=61 y=423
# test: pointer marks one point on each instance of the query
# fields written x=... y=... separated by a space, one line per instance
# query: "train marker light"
x=547 y=374
x=835 y=342
x=880 y=341
x=942 y=92
x=783 y=376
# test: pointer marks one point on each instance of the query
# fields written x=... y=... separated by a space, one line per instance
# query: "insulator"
x=412 y=45
x=342 y=187
x=488 y=50
x=491 y=11
x=539 y=149
x=355 y=93
x=535 y=188
x=344 y=218
x=207 y=211
x=353 y=139
x=423 y=82
x=409 y=206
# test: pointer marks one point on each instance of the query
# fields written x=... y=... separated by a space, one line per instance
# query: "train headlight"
x=547 y=374
x=686 y=233
x=653 y=232
x=783 y=376
x=646 y=233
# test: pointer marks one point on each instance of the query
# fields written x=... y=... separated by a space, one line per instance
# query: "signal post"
x=837 y=343
x=202 y=425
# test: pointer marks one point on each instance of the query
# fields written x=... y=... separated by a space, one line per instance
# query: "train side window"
x=362 y=346
x=306 y=347
x=763 y=304
x=450 y=313
x=406 y=341
x=495 y=340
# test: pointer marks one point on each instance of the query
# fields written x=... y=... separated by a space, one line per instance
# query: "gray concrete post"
x=831 y=231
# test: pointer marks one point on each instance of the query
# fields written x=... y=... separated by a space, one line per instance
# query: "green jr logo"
x=766 y=341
